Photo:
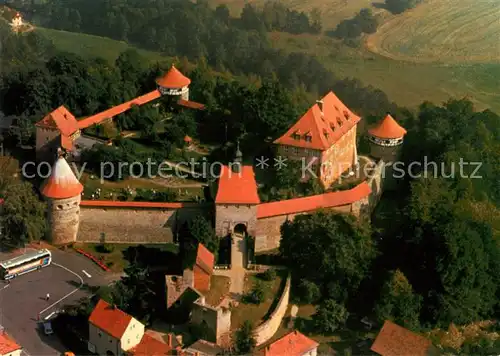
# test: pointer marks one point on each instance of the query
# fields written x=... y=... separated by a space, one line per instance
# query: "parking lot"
x=23 y=299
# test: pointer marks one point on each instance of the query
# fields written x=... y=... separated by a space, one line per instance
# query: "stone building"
x=63 y=193
x=324 y=139
x=114 y=332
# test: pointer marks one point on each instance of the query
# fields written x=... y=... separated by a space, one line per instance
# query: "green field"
x=442 y=30
x=89 y=46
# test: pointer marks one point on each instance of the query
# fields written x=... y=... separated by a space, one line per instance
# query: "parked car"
x=47 y=328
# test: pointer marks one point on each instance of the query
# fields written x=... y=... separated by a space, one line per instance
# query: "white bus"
x=25 y=263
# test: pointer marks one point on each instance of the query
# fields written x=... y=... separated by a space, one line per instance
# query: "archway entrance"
x=238 y=247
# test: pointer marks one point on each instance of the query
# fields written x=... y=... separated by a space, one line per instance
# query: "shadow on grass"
x=165 y=259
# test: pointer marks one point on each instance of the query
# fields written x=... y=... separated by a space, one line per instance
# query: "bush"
x=105 y=248
x=329 y=316
x=269 y=275
x=256 y=295
x=308 y=292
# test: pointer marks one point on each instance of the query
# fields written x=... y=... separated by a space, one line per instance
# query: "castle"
x=326 y=134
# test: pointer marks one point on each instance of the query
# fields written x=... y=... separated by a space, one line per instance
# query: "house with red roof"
x=394 y=340
x=324 y=138
x=114 y=332
x=293 y=344
x=8 y=347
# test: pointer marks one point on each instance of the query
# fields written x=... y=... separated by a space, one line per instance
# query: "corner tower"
x=386 y=139
x=63 y=193
x=174 y=84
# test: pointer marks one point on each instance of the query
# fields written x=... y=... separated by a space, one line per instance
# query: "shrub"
x=308 y=292
x=105 y=248
x=269 y=275
x=256 y=295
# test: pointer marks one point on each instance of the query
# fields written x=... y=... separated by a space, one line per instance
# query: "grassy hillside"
x=92 y=46
x=442 y=30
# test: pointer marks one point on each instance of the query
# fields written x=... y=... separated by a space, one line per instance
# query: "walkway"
x=237 y=284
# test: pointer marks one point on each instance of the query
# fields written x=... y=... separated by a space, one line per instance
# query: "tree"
x=134 y=293
x=23 y=217
x=329 y=316
x=332 y=250
x=192 y=233
x=245 y=341
x=308 y=292
x=398 y=302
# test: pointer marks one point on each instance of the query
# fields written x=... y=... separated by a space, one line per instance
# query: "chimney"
x=169 y=343
x=320 y=104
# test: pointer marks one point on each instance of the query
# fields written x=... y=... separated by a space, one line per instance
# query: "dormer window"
x=332 y=127
x=309 y=138
x=346 y=115
x=296 y=135
x=325 y=133
x=340 y=123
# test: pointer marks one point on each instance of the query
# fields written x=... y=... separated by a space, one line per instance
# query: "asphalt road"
x=23 y=299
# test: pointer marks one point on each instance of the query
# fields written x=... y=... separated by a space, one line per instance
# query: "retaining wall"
x=268 y=328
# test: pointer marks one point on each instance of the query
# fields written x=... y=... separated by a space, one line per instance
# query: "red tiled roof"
x=237 y=188
x=173 y=79
x=205 y=259
x=7 y=344
x=115 y=110
x=111 y=320
x=62 y=182
x=387 y=128
x=60 y=119
x=191 y=104
x=66 y=142
x=327 y=200
x=292 y=344
x=394 y=340
x=187 y=139
x=149 y=346
x=135 y=204
x=335 y=121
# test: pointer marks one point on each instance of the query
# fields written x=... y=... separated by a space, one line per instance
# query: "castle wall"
x=64 y=218
x=133 y=225
x=228 y=216
x=267 y=329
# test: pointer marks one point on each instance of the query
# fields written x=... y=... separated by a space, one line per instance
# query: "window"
x=285 y=148
x=296 y=136
x=128 y=341
x=295 y=150
x=100 y=335
x=308 y=138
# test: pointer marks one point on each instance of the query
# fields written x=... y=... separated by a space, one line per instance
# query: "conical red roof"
x=387 y=128
x=173 y=79
x=62 y=182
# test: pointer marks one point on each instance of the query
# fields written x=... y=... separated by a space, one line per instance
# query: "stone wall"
x=215 y=320
x=268 y=328
x=228 y=216
x=134 y=224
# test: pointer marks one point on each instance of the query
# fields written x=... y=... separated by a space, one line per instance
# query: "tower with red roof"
x=174 y=83
x=63 y=193
x=386 y=139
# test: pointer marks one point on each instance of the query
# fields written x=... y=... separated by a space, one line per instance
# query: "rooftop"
x=292 y=344
x=136 y=204
x=205 y=259
x=62 y=182
x=173 y=79
x=203 y=347
x=149 y=346
x=327 y=200
x=387 y=128
x=110 y=319
x=321 y=126
x=60 y=119
x=237 y=187
x=394 y=340
x=7 y=344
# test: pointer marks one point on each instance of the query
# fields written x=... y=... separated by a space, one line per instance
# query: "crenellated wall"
x=268 y=328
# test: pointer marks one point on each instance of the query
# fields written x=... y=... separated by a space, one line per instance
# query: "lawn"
x=257 y=313
x=115 y=258
x=89 y=46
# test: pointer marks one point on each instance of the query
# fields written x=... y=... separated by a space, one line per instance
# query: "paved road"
x=23 y=299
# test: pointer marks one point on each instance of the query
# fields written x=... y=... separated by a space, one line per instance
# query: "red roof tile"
x=66 y=142
x=62 y=182
x=149 y=346
x=116 y=110
x=173 y=79
x=7 y=344
x=135 y=204
x=205 y=259
x=300 y=205
x=387 y=128
x=109 y=319
x=187 y=139
x=191 y=104
x=292 y=344
x=394 y=340
x=237 y=188
x=324 y=128
x=60 y=119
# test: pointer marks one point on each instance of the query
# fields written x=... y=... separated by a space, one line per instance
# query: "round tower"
x=174 y=84
x=63 y=193
x=386 y=139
